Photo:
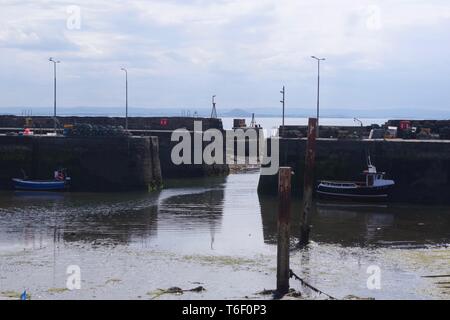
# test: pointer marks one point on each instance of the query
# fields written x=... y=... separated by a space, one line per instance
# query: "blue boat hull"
x=379 y=193
x=21 y=184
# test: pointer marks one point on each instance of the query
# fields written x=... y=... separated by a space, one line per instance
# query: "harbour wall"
x=423 y=130
x=184 y=170
x=93 y=163
x=341 y=132
x=160 y=127
x=420 y=169
x=134 y=123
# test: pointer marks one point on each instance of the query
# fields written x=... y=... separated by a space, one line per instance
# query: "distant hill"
x=236 y=113
x=291 y=112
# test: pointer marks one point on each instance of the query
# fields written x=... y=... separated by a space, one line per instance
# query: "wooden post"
x=308 y=184
x=284 y=217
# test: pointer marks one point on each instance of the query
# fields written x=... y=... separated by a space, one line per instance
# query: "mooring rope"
x=304 y=283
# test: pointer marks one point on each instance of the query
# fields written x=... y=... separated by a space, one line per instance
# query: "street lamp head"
x=318 y=59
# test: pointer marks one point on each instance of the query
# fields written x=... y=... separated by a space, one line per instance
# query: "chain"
x=304 y=283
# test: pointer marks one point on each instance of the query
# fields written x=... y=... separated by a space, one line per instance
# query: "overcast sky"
x=380 y=54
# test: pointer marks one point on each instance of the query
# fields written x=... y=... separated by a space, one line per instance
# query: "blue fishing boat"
x=375 y=187
x=60 y=183
x=40 y=185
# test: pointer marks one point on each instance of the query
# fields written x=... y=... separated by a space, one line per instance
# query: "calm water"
x=218 y=233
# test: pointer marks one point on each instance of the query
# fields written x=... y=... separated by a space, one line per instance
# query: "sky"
x=379 y=53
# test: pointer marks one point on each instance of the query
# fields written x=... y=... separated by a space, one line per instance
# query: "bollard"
x=308 y=184
x=284 y=217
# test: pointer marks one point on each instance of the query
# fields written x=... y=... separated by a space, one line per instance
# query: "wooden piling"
x=308 y=184
x=284 y=217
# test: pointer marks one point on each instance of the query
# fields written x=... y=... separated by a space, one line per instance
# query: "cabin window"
x=370 y=180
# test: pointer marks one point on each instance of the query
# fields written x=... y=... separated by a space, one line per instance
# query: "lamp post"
x=318 y=89
x=126 y=97
x=283 y=92
x=54 y=90
x=357 y=120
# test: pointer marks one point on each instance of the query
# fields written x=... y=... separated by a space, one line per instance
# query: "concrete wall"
x=170 y=170
x=421 y=169
x=163 y=132
x=94 y=164
x=137 y=123
x=297 y=131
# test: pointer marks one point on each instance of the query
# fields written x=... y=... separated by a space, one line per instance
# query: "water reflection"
x=76 y=217
x=363 y=225
x=34 y=220
x=193 y=213
x=206 y=230
x=193 y=210
x=223 y=213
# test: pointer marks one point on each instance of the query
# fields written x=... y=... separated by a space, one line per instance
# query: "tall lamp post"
x=318 y=89
x=126 y=97
x=283 y=101
x=54 y=90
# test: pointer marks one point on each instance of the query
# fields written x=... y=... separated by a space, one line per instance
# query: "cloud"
x=224 y=43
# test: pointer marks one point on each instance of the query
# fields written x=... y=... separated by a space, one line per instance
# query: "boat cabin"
x=374 y=178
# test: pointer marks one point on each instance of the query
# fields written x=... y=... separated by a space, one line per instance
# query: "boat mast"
x=369 y=162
